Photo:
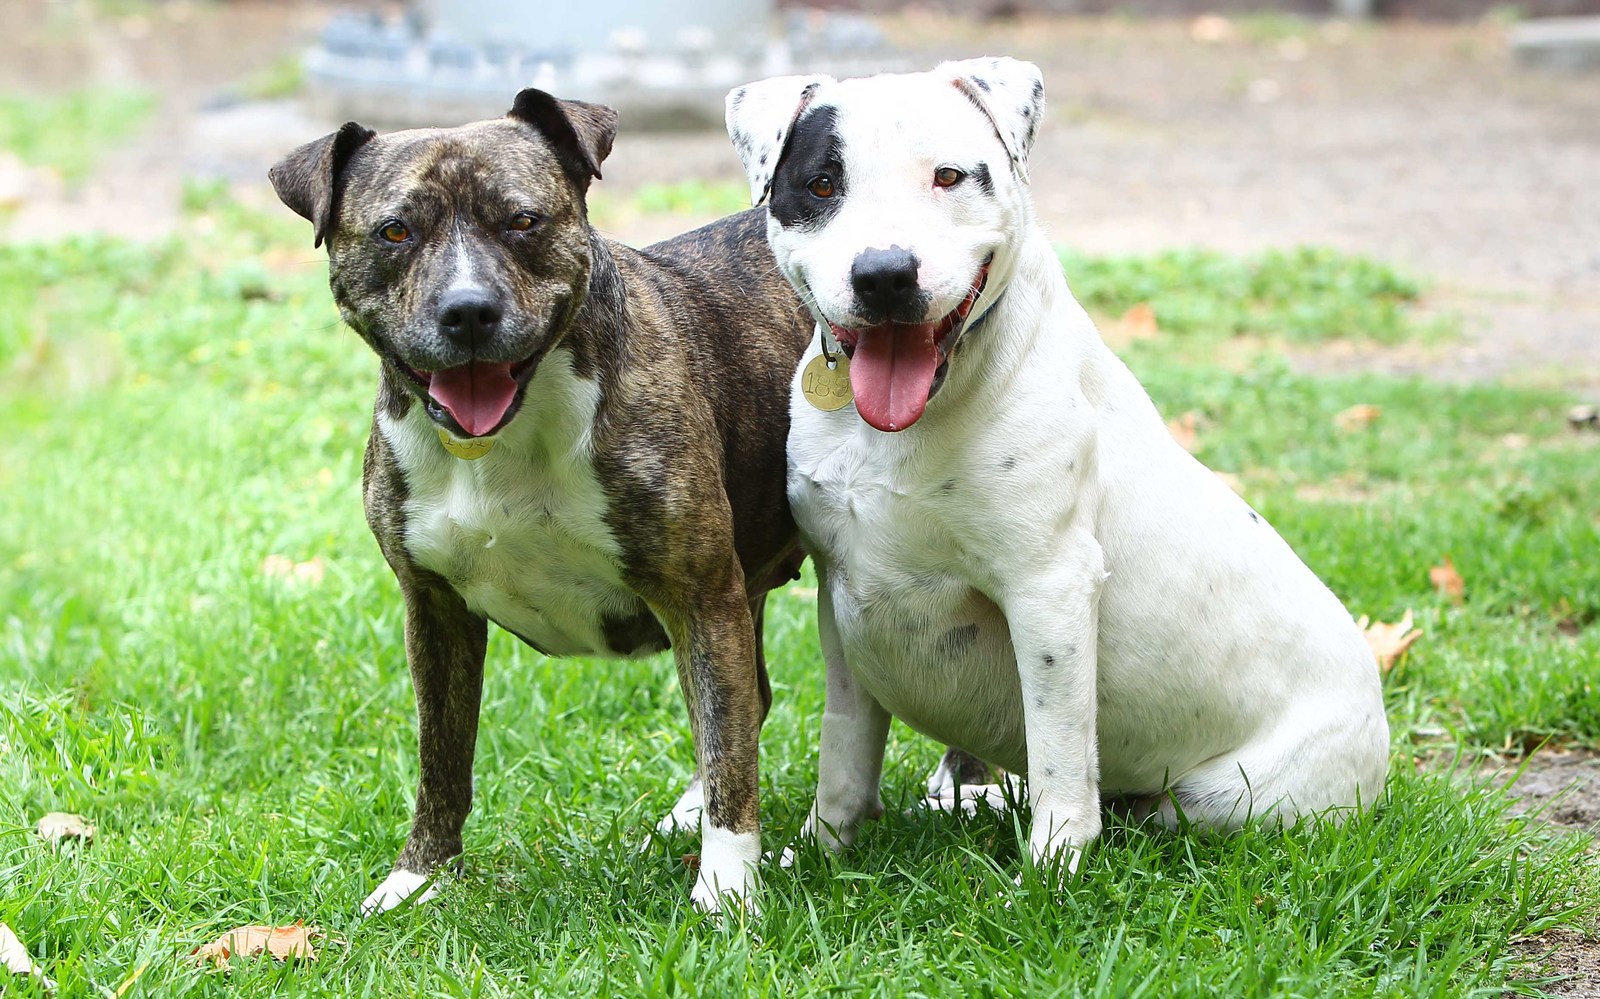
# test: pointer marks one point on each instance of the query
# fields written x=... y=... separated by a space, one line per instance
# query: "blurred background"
x=1456 y=139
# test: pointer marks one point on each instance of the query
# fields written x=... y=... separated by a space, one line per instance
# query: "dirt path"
x=1420 y=145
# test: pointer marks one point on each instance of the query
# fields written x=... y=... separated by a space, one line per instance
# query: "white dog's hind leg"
x=1319 y=760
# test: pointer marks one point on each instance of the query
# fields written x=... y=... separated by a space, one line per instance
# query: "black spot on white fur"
x=982 y=177
x=814 y=148
x=955 y=642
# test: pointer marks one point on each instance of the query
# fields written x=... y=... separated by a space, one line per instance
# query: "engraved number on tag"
x=467 y=450
x=827 y=388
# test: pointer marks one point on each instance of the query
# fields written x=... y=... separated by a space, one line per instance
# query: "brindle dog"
x=579 y=441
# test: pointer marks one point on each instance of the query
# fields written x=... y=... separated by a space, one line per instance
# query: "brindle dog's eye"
x=522 y=222
x=821 y=186
x=395 y=231
x=947 y=177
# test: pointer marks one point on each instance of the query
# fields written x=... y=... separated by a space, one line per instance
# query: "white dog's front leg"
x=1054 y=622
x=855 y=728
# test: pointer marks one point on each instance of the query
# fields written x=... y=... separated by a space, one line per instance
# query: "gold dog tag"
x=466 y=450
x=827 y=386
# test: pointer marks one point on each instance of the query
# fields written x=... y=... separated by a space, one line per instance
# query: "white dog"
x=1014 y=556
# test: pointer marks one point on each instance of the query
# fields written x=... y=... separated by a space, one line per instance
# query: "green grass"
x=691 y=199
x=174 y=414
x=282 y=78
x=69 y=133
x=1304 y=294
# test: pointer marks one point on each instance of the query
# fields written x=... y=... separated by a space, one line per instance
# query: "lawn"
x=200 y=651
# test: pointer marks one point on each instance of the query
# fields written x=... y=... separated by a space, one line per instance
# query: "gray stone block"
x=1568 y=44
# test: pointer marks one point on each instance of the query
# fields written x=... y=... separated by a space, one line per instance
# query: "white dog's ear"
x=1011 y=93
x=760 y=117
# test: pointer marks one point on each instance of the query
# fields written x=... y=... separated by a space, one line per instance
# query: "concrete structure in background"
x=1570 y=44
x=660 y=65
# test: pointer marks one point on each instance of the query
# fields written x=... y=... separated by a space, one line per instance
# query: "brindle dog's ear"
x=581 y=133
x=1010 y=93
x=308 y=179
x=760 y=117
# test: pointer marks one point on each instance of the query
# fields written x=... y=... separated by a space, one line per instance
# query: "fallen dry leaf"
x=1447 y=581
x=691 y=861
x=1580 y=417
x=1389 y=641
x=1139 y=322
x=16 y=958
x=310 y=571
x=58 y=826
x=282 y=942
x=1363 y=414
x=1184 y=430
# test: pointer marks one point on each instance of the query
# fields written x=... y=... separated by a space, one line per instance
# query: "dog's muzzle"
x=894 y=366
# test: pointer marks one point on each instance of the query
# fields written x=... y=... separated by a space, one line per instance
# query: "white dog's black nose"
x=469 y=316
x=885 y=281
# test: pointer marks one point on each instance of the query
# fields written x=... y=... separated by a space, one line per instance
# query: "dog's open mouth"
x=893 y=365
x=480 y=396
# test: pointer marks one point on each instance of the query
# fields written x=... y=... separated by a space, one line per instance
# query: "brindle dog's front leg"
x=714 y=642
x=445 y=645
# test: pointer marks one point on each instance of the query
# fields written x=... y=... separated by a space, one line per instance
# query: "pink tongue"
x=891 y=372
x=477 y=395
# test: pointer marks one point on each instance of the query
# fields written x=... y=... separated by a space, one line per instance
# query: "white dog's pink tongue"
x=892 y=371
x=477 y=395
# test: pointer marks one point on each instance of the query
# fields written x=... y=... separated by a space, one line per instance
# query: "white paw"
x=1057 y=842
x=684 y=817
x=727 y=878
x=715 y=897
x=997 y=797
x=397 y=888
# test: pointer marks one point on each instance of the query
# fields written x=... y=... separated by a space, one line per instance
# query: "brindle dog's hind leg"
x=445 y=645
x=714 y=644
x=685 y=815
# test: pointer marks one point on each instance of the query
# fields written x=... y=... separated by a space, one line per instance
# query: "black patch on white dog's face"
x=980 y=175
x=814 y=151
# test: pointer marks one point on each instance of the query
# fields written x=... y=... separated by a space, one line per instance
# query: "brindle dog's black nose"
x=469 y=316
x=885 y=281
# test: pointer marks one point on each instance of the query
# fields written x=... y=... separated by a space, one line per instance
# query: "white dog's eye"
x=821 y=186
x=947 y=177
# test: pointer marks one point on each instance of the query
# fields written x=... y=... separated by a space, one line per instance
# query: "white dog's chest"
x=931 y=647
x=520 y=533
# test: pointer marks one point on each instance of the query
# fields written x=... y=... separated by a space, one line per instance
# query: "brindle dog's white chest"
x=520 y=533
